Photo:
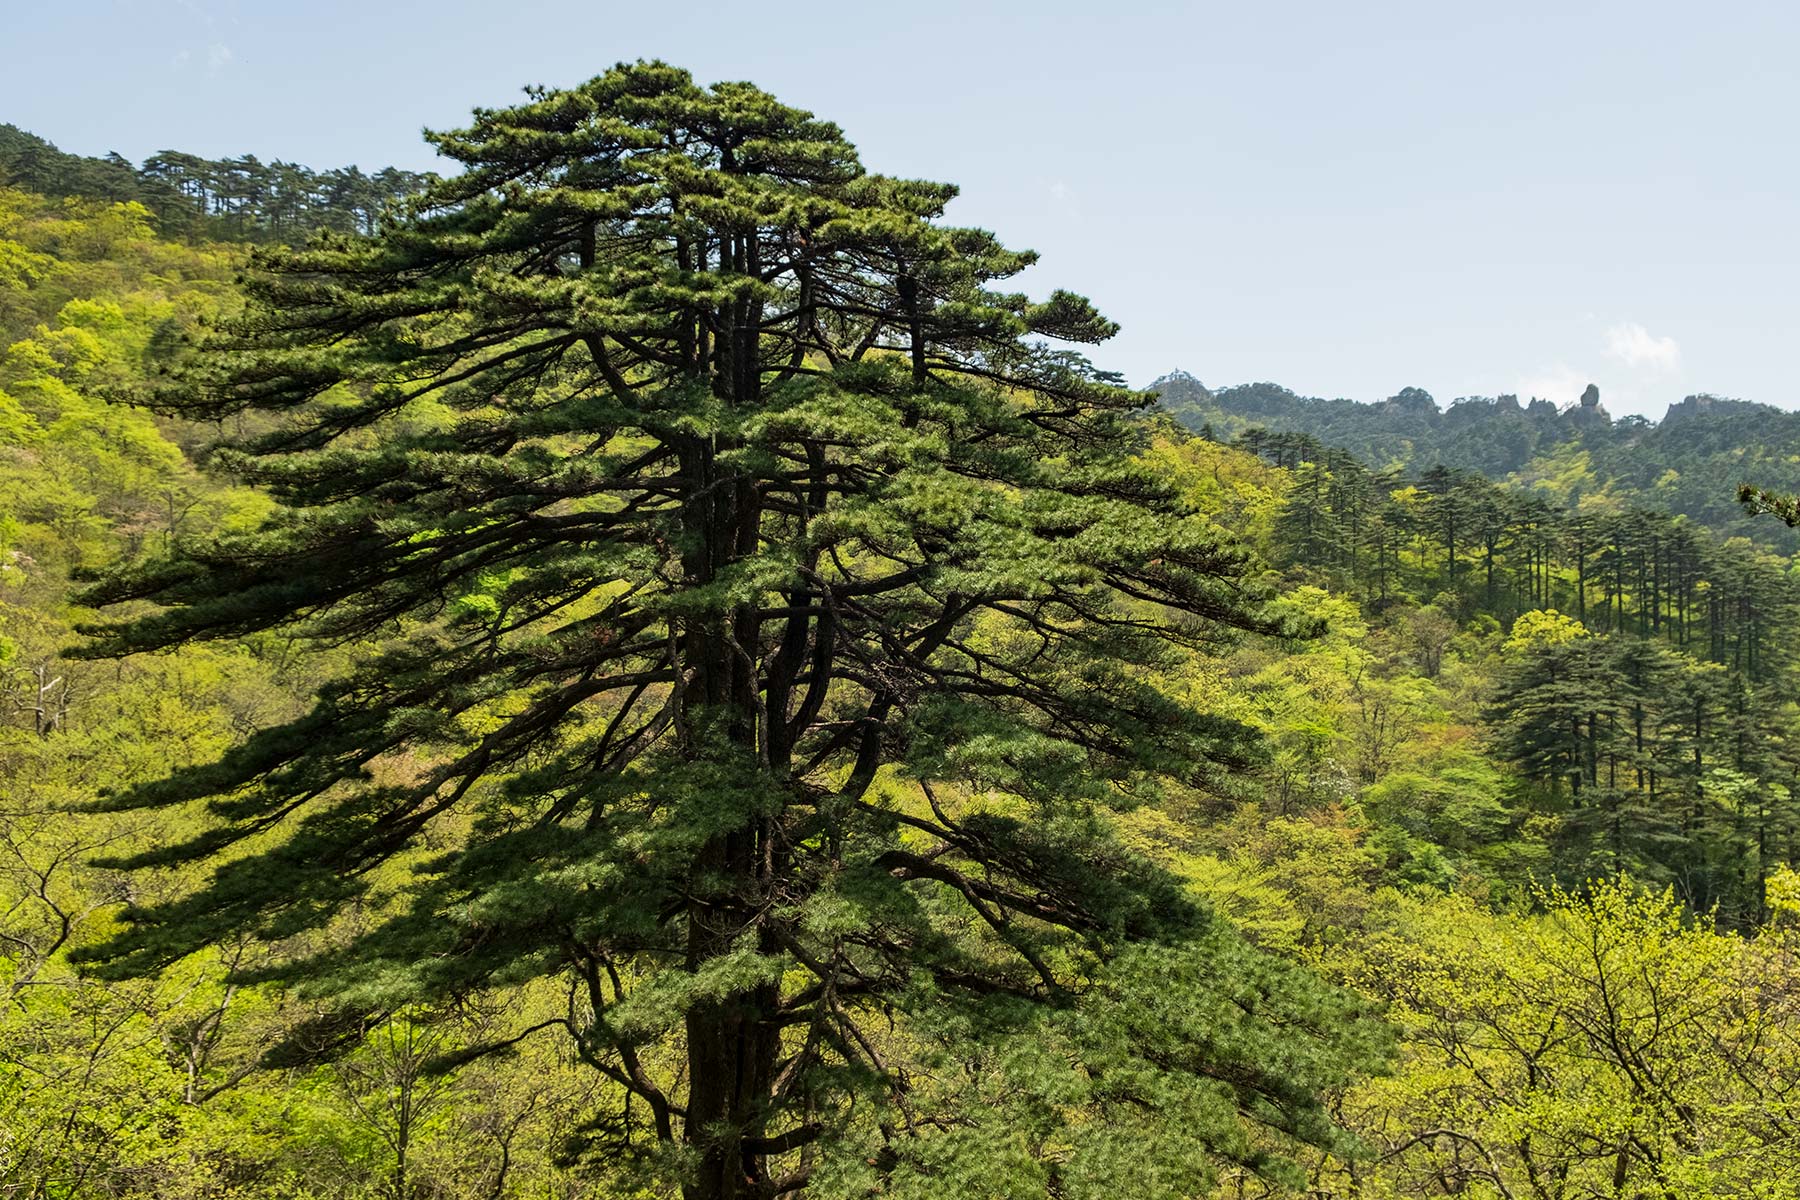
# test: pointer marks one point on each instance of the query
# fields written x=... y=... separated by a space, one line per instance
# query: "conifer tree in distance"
x=758 y=618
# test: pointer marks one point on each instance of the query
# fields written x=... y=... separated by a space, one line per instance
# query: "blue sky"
x=1344 y=198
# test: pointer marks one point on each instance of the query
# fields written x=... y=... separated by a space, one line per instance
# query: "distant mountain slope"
x=232 y=199
x=1691 y=462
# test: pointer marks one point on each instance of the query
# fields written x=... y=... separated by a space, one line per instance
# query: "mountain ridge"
x=1692 y=462
x=1182 y=383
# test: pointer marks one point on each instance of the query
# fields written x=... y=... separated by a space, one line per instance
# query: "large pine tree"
x=759 y=618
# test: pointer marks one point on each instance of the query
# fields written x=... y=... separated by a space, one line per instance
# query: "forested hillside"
x=653 y=680
x=1690 y=463
x=239 y=199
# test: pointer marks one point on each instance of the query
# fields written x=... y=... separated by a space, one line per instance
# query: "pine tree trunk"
x=732 y=1042
x=731 y=1053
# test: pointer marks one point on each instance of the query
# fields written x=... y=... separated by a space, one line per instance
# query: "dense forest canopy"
x=642 y=666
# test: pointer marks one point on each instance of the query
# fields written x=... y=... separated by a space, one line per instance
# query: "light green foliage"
x=1238 y=491
x=1782 y=891
x=1565 y=475
x=1456 y=800
x=1541 y=628
x=1609 y=1045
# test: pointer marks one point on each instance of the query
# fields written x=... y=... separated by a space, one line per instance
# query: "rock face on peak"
x=1705 y=406
x=1416 y=401
x=1177 y=378
x=1588 y=412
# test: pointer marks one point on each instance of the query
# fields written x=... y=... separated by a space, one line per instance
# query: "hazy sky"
x=1347 y=198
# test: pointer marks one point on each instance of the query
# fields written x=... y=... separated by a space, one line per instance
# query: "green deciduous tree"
x=1610 y=1046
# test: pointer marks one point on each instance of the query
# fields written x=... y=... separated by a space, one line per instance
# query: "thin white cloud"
x=1640 y=350
x=204 y=26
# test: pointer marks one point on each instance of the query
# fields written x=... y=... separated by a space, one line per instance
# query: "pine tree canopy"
x=756 y=616
x=1761 y=500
